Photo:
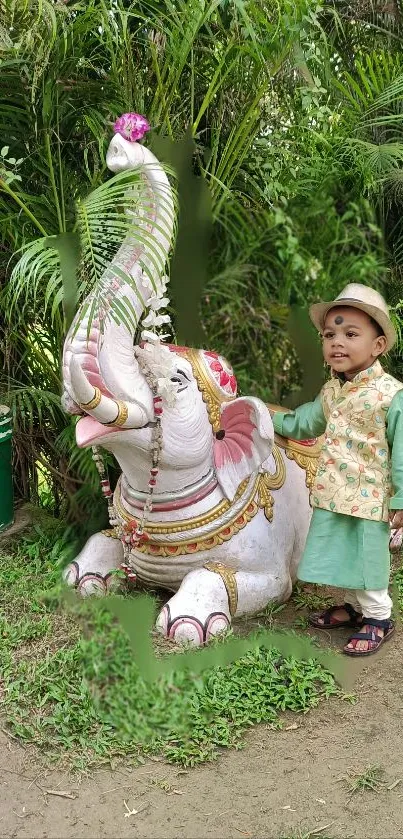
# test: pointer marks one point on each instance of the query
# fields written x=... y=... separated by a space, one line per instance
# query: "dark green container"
x=6 y=472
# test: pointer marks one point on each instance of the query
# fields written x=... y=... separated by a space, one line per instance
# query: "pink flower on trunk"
x=131 y=126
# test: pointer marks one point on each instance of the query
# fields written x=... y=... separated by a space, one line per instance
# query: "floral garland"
x=158 y=366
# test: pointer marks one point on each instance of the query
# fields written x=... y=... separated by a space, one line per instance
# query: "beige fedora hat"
x=359 y=297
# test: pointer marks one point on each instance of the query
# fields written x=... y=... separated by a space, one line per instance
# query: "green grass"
x=371 y=779
x=398 y=584
x=68 y=682
x=308 y=834
x=69 y=685
x=312 y=598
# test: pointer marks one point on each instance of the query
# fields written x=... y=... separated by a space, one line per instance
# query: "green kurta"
x=344 y=550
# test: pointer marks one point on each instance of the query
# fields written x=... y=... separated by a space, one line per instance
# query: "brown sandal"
x=388 y=627
x=355 y=618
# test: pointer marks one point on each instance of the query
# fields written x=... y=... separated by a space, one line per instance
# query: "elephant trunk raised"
x=90 y=376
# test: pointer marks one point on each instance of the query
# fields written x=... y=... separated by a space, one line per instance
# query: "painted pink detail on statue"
x=221 y=372
x=96 y=381
x=172 y=347
x=95 y=579
x=94 y=333
x=183 y=621
x=88 y=430
x=237 y=442
x=72 y=574
x=88 y=358
x=90 y=365
x=175 y=505
x=213 y=620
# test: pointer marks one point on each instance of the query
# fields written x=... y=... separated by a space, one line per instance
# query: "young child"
x=359 y=480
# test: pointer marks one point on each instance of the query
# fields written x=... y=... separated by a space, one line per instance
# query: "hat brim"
x=318 y=313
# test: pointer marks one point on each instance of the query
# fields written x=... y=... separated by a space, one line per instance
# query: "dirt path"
x=282 y=784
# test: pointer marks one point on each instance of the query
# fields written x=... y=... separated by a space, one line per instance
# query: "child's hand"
x=396 y=518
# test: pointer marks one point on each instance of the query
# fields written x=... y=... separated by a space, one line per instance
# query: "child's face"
x=350 y=341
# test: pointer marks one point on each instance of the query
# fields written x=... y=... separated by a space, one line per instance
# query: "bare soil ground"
x=283 y=784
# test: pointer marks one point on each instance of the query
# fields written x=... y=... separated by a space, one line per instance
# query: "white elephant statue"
x=211 y=505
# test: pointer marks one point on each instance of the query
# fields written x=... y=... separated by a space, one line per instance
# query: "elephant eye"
x=179 y=381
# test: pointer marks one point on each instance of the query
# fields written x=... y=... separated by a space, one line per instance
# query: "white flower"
x=149 y=320
x=146 y=281
x=153 y=320
x=157 y=303
x=162 y=285
x=168 y=391
x=146 y=335
x=157 y=358
x=158 y=285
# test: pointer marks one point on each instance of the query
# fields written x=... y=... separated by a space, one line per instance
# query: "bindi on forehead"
x=346 y=316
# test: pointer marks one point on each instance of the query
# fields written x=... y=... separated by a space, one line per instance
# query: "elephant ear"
x=244 y=442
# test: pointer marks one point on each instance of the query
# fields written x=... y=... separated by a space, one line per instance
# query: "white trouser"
x=372 y=604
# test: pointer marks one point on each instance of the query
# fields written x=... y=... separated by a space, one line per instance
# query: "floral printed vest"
x=354 y=470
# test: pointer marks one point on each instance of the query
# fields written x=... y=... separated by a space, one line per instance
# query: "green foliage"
x=295 y=111
x=311 y=598
x=70 y=686
x=398 y=580
x=370 y=780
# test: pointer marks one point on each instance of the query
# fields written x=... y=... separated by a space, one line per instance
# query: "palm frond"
x=31 y=406
x=79 y=461
x=117 y=211
x=377 y=162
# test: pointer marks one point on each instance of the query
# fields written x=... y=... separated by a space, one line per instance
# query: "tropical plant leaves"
x=295 y=111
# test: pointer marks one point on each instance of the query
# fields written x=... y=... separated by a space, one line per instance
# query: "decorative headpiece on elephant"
x=193 y=509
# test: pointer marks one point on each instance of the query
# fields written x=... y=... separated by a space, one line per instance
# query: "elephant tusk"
x=122 y=415
x=121 y=406
x=111 y=412
x=93 y=403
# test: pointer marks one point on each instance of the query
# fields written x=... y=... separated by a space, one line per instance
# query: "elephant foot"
x=93 y=570
x=197 y=612
x=188 y=629
x=210 y=597
x=285 y=594
x=92 y=583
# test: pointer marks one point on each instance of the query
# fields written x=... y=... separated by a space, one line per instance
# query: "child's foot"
x=336 y=617
x=370 y=637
